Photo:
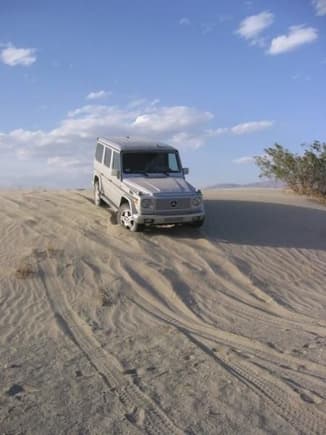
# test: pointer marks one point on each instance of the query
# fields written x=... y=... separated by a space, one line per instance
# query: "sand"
x=220 y=330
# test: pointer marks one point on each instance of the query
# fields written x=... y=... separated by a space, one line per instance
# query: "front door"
x=111 y=183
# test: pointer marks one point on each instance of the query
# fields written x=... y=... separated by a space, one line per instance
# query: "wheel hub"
x=126 y=219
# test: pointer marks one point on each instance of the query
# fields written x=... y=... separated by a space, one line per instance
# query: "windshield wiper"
x=147 y=174
x=157 y=171
x=139 y=172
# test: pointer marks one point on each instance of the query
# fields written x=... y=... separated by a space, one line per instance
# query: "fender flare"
x=127 y=199
x=97 y=178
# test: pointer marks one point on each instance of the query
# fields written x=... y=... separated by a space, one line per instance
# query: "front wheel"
x=125 y=218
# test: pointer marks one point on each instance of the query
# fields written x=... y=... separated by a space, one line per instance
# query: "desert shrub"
x=305 y=173
x=25 y=270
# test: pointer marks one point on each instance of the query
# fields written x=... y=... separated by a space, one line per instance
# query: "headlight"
x=147 y=203
x=196 y=201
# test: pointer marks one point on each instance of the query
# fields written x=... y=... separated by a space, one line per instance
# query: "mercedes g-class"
x=144 y=182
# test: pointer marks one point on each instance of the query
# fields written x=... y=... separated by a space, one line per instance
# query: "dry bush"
x=54 y=252
x=305 y=174
x=24 y=271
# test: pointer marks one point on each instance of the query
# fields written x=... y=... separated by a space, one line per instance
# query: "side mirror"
x=115 y=173
x=185 y=171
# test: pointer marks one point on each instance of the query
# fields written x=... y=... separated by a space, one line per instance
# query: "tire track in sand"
x=283 y=402
x=136 y=406
x=173 y=311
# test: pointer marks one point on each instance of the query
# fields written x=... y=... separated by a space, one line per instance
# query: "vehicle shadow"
x=258 y=224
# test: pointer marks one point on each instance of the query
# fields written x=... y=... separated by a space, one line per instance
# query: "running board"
x=108 y=202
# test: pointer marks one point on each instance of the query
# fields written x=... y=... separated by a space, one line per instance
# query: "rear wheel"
x=97 y=195
x=126 y=219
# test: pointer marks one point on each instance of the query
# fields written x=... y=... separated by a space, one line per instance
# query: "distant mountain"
x=268 y=184
x=223 y=186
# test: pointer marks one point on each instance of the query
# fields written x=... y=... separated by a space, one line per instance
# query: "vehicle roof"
x=128 y=143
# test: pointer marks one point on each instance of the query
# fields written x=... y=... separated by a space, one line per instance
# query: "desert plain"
x=220 y=330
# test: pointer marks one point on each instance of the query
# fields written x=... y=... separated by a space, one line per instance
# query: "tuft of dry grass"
x=24 y=271
x=54 y=252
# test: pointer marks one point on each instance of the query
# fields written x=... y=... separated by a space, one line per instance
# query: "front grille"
x=175 y=212
x=173 y=204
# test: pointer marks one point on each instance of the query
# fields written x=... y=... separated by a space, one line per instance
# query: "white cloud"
x=13 y=56
x=184 y=21
x=66 y=151
x=96 y=95
x=239 y=129
x=72 y=141
x=251 y=127
x=65 y=163
x=244 y=160
x=173 y=118
x=297 y=36
x=251 y=27
x=217 y=131
x=320 y=7
x=193 y=141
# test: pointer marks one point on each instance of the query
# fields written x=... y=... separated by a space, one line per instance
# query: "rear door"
x=106 y=172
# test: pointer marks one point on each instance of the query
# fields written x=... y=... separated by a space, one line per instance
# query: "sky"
x=219 y=80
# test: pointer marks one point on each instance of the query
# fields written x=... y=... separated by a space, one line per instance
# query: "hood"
x=157 y=185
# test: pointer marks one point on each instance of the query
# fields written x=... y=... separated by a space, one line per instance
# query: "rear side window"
x=107 y=157
x=99 y=152
x=116 y=161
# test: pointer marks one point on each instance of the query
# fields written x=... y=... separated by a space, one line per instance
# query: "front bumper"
x=155 y=219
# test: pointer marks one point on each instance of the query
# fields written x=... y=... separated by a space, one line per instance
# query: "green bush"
x=304 y=173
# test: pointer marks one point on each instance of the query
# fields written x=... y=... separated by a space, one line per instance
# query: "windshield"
x=150 y=162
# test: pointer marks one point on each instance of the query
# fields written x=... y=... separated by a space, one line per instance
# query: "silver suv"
x=145 y=184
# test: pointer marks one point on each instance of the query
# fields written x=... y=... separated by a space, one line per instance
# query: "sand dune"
x=170 y=331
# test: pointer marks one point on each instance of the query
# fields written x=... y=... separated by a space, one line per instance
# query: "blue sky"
x=219 y=80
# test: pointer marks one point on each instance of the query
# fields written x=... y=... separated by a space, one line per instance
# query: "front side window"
x=116 y=161
x=99 y=152
x=151 y=162
x=173 y=162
